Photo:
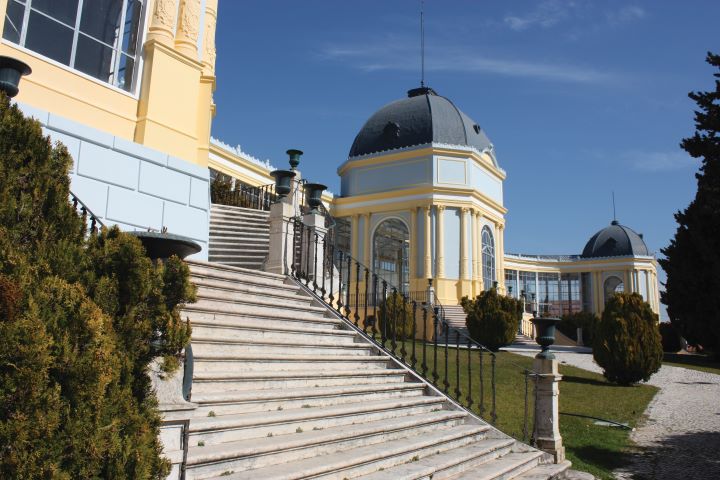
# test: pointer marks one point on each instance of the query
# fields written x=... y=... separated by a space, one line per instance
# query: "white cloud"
x=398 y=56
x=546 y=14
x=660 y=161
x=627 y=14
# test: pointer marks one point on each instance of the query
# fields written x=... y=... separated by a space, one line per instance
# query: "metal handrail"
x=95 y=221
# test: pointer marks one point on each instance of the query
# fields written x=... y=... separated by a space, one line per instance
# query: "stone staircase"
x=239 y=237
x=455 y=317
x=286 y=390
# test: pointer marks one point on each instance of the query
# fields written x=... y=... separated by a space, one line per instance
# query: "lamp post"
x=11 y=70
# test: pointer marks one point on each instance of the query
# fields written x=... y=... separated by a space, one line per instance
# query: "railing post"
x=282 y=240
x=547 y=419
x=315 y=223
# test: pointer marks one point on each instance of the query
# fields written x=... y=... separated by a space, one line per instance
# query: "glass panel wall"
x=511 y=283
x=549 y=293
x=528 y=289
x=570 y=293
x=100 y=38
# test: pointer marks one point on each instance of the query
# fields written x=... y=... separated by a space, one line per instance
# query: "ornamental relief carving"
x=209 y=41
x=189 y=19
x=164 y=13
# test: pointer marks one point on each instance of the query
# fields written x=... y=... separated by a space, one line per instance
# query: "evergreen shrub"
x=80 y=320
x=570 y=322
x=627 y=343
x=492 y=319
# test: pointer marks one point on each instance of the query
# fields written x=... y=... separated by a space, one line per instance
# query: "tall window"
x=98 y=37
x=511 y=283
x=390 y=253
x=488 y=258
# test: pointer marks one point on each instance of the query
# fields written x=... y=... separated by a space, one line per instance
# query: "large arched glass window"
x=100 y=38
x=390 y=253
x=612 y=286
x=488 y=258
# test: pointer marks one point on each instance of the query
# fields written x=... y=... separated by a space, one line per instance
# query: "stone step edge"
x=189 y=308
x=364 y=455
x=275 y=417
x=280 y=375
x=232 y=450
x=278 y=329
x=503 y=466
x=290 y=294
x=243 y=396
x=233 y=207
x=214 y=266
x=261 y=303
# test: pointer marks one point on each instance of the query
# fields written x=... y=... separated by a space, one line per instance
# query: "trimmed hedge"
x=492 y=319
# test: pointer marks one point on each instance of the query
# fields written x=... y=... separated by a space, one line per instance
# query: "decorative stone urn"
x=11 y=70
x=313 y=194
x=294 y=157
x=545 y=327
x=283 y=180
x=161 y=246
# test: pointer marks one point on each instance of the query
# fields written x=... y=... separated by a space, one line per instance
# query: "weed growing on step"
x=227 y=473
x=415 y=458
x=298 y=430
x=201 y=443
x=211 y=413
x=317 y=428
x=269 y=434
x=279 y=407
x=307 y=406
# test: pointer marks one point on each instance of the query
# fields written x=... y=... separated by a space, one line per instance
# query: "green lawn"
x=592 y=448
x=694 y=362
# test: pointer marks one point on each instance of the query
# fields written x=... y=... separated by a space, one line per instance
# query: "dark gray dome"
x=424 y=117
x=615 y=241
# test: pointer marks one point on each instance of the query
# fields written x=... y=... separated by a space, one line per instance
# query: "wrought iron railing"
x=399 y=325
x=241 y=195
x=86 y=214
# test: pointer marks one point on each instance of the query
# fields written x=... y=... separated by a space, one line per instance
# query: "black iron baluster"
x=298 y=246
x=446 y=384
x=375 y=305
x=340 y=282
x=435 y=374
x=493 y=412
x=458 y=393
x=356 y=315
x=525 y=418
x=403 y=328
x=293 y=265
x=324 y=264
x=469 y=397
x=395 y=307
x=384 y=314
x=349 y=287
x=315 y=260
x=424 y=341
x=413 y=335
x=367 y=279
x=331 y=267
x=482 y=383
x=308 y=257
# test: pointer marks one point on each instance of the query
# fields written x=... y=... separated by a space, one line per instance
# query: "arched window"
x=613 y=285
x=390 y=253
x=488 y=258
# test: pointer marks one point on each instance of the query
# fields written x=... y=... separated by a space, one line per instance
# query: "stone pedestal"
x=547 y=417
x=315 y=260
x=281 y=238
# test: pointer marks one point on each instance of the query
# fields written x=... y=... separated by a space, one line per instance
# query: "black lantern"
x=545 y=329
x=294 y=157
x=11 y=69
x=313 y=192
x=283 y=181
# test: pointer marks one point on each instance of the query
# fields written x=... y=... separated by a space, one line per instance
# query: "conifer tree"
x=692 y=260
x=80 y=319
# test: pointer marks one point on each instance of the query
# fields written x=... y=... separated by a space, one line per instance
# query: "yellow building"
x=127 y=86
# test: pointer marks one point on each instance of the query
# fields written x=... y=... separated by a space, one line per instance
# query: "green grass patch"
x=591 y=448
x=701 y=363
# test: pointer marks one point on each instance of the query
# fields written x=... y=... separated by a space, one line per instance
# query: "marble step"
x=220 y=208
x=234 y=320
x=227 y=349
x=209 y=269
x=241 y=333
x=229 y=402
x=504 y=468
x=364 y=460
x=214 y=430
x=219 y=381
x=289 y=363
x=259 y=306
x=282 y=449
x=280 y=297
x=215 y=285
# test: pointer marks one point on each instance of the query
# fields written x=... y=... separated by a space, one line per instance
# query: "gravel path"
x=681 y=435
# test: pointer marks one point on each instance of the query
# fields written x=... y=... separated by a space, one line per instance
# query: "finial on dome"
x=416 y=92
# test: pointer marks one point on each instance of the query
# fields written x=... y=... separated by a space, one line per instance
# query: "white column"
x=439 y=242
x=464 y=273
x=413 y=254
x=428 y=241
x=366 y=243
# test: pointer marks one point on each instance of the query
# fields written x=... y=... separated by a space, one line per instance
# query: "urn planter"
x=545 y=327
x=11 y=70
x=294 y=155
x=161 y=246
x=313 y=193
x=283 y=182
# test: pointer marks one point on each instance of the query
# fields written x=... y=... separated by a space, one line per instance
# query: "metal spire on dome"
x=614 y=222
x=422 y=43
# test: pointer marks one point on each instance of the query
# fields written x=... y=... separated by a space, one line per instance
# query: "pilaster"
x=355 y=229
x=439 y=242
x=206 y=106
x=464 y=257
x=428 y=241
x=500 y=259
x=413 y=254
x=366 y=244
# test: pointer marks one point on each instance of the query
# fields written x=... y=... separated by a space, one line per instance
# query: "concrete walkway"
x=680 y=437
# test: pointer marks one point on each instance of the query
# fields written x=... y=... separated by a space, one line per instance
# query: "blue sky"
x=581 y=98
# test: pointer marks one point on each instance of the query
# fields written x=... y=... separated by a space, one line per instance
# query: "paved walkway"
x=681 y=436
